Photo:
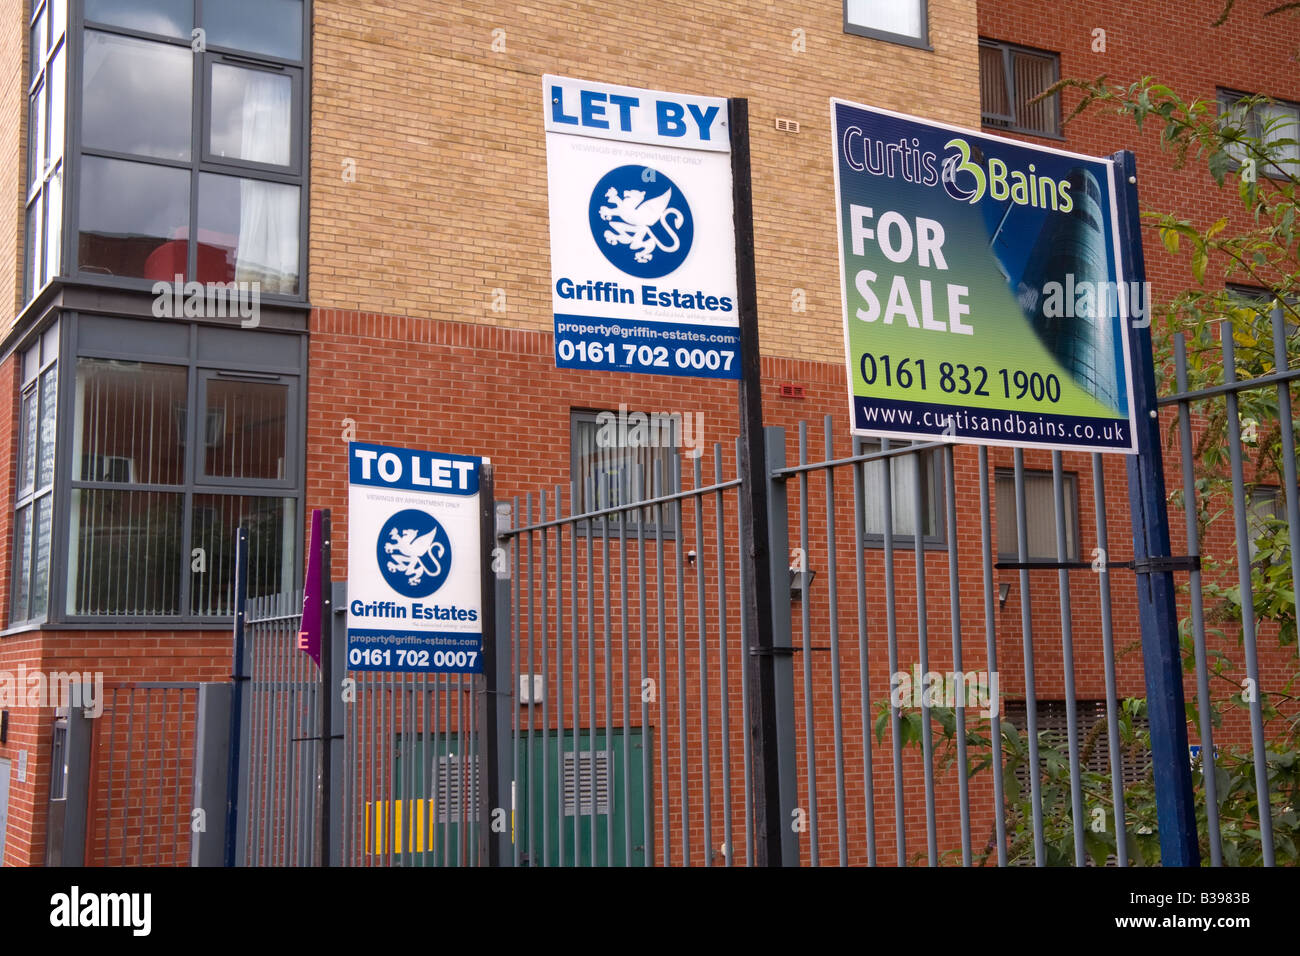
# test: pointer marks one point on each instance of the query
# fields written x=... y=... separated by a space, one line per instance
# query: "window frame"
x=37 y=182
x=921 y=43
x=669 y=527
x=1227 y=99
x=994 y=120
x=72 y=348
x=931 y=484
x=1070 y=481
x=29 y=497
x=200 y=161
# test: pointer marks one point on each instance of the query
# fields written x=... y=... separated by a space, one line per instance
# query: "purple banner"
x=309 y=631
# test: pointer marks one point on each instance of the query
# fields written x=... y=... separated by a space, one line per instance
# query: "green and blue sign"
x=982 y=287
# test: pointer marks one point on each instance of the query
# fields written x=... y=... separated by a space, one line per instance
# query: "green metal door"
x=568 y=796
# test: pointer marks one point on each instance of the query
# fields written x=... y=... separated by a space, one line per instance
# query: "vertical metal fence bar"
x=450 y=778
x=428 y=754
x=546 y=699
x=591 y=698
x=532 y=702
x=991 y=653
x=1067 y=662
x=130 y=740
x=954 y=612
x=1108 y=663
x=683 y=781
x=864 y=671
x=1239 y=509
x=744 y=679
x=559 y=672
x=923 y=651
x=701 y=613
x=891 y=624
x=1285 y=418
x=609 y=701
x=647 y=790
x=625 y=791
x=1027 y=633
x=805 y=613
x=463 y=768
x=662 y=727
x=723 y=661
x=837 y=699
x=517 y=792
x=574 y=654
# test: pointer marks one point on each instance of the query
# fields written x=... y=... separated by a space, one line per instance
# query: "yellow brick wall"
x=446 y=133
x=13 y=154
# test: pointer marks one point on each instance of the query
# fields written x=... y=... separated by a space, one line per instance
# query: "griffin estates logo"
x=641 y=221
x=414 y=553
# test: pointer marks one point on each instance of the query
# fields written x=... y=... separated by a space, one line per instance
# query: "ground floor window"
x=34 y=499
x=172 y=438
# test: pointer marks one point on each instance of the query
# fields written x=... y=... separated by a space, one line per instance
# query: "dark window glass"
x=37 y=45
x=246 y=429
x=615 y=466
x=126 y=553
x=270 y=27
x=36 y=124
x=137 y=96
x=45 y=454
x=1040 y=516
x=130 y=425
x=22 y=563
x=248 y=232
x=252 y=115
x=134 y=219
x=29 y=442
x=272 y=525
x=1010 y=79
x=41 y=577
x=172 y=18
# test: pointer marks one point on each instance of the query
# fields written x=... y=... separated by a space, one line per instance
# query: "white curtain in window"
x=1278 y=123
x=889 y=16
x=903 y=479
x=268 y=212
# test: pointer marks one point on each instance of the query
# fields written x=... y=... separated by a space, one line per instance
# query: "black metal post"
x=488 y=711
x=328 y=688
x=1157 y=609
x=752 y=468
x=237 y=679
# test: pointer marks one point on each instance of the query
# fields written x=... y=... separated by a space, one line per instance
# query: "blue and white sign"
x=414 y=561
x=643 y=265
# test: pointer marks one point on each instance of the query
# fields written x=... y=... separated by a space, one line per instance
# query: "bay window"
x=191 y=143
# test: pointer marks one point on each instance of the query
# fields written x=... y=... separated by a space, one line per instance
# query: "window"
x=46 y=130
x=34 y=502
x=1273 y=124
x=900 y=21
x=1011 y=76
x=1040 y=514
x=621 y=457
x=903 y=479
x=191 y=134
x=175 y=443
x=1053 y=729
x=1265 y=509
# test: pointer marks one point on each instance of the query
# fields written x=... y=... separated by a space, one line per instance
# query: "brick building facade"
x=414 y=307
